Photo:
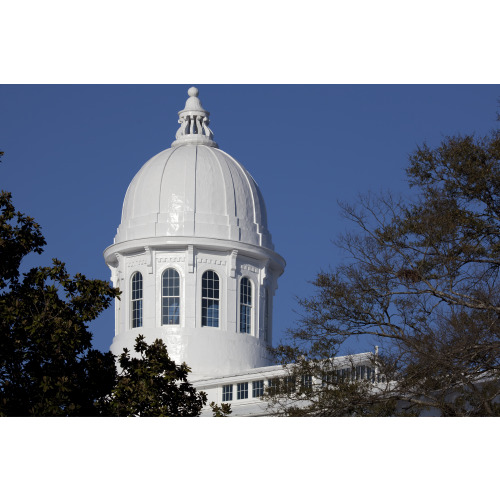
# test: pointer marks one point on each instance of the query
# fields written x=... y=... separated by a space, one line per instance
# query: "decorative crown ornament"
x=194 y=123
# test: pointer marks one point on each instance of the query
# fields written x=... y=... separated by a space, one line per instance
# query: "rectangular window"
x=170 y=311
x=272 y=386
x=328 y=379
x=227 y=393
x=242 y=391
x=289 y=384
x=257 y=388
x=245 y=318
x=137 y=313
x=210 y=312
x=306 y=381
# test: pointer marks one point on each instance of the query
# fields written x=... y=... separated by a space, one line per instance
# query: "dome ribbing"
x=194 y=189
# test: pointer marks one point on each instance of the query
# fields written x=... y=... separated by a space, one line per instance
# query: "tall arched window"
x=245 y=306
x=210 y=299
x=136 y=300
x=170 y=297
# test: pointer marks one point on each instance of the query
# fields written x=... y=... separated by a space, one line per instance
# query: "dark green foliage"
x=224 y=410
x=16 y=240
x=47 y=365
x=421 y=280
x=152 y=385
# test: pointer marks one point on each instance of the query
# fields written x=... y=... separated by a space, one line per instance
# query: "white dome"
x=194 y=215
x=194 y=190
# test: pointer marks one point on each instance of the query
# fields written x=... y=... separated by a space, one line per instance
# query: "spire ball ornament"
x=194 y=123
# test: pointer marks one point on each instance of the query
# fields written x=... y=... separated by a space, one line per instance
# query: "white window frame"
x=171 y=296
x=250 y=306
x=140 y=300
x=242 y=391
x=260 y=388
x=219 y=299
x=227 y=393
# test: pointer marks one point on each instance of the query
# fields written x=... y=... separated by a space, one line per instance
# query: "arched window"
x=210 y=299
x=136 y=300
x=170 y=297
x=245 y=306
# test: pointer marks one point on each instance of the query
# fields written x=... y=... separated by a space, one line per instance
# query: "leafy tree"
x=152 y=385
x=421 y=279
x=47 y=365
x=224 y=410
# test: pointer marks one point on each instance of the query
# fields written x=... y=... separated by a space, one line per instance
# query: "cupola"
x=193 y=255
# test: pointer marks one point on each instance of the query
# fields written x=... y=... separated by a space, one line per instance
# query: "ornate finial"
x=194 y=123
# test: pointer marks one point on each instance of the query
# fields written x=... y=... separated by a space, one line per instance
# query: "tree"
x=224 y=410
x=47 y=364
x=152 y=385
x=422 y=281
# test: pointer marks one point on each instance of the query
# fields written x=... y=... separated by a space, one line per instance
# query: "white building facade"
x=193 y=256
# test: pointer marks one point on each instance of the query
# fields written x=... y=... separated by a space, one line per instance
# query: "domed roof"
x=194 y=189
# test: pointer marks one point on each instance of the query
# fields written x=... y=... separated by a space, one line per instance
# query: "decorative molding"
x=248 y=267
x=266 y=276
x=216 y=262
x=190 y=257
x=119 y=273
x=232 y=271
x=135 y=263
x=171 y=259
x=149 y=259
x=114 y=275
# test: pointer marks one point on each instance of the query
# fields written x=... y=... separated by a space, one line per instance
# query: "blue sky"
x=72 y=150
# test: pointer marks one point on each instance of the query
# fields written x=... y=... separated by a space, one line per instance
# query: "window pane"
x=210 y=299
x=136 y=300
x=227 y=393
x=170 y=314
x=257 y=388
x=289 y=384
x=246 y=292
x=272 y=385
x=306 y=381
x=245 y=319
x=245 y=306
x=242 y=391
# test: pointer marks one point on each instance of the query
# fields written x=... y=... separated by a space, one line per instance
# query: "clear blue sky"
x=72 y=150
